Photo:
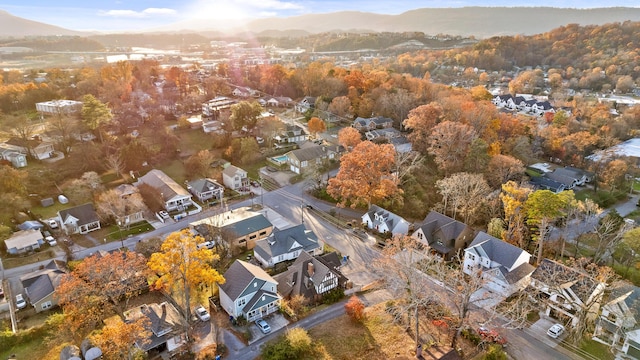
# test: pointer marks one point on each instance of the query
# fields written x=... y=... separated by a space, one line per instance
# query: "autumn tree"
x=503 y=168
x=341 y=106
x=245 y=114
x=464 y=193
x=316 y=125
x=95 y=113
x=183 y=269
x=627 y=251
x=67 y=129
x=82 y=190
x=115 y=208
x=421 y=122
x=513 y=198
x=349 y=137
x=243 y=150
x=199 y=164
x=614 y=176
x=449 y=144
x=365 y=175
x=355 y=308
x=23 y=128
x=100 y=286
x=609 y=232
x=543 y=208
x=117 y=339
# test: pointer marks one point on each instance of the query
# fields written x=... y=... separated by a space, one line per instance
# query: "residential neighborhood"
x=229 y=198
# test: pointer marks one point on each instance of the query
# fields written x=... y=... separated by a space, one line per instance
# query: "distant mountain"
x=13 y=26
x=480 y=22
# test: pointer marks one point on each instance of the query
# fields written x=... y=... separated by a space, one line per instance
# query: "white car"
x=52 y=223
x=207 y=244
x=20 y=303
x=555 y=331
x=263 y=326
x=51 y=240
x=202 y=313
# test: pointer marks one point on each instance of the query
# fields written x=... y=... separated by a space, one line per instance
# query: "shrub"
x=333 y=296
x=495 y=352
x=355 y=308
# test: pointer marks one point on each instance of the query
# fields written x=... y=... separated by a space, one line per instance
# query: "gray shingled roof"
x=204 y=185
x=84 y=213
x=292 y=281
x=240 y=275
x=164 y=184
x=495 y=249
x=42 y=283
x=282 y=242
x=309 y=153
x=554 y=274
x=249 y=225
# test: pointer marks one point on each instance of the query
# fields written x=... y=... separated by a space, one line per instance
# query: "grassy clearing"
x=598 y=350
x=192 y=141
x=175 y=170
x=13 y=262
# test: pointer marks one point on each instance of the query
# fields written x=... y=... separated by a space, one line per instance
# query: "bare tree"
x=114 y=162
x=465 y=192
x=609 y=233
x=406 y=162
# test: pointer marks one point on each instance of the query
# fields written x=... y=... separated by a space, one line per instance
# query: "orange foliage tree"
x=355 y=308
x=365 y=175
x=349 y=137
x=316 y=125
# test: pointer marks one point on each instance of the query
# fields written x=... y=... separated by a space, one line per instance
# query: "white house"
x=205 y=189
x=248 y=292
x=505 y=268
x=14 y=155
x=234 y=178
x=287 y=244
x=619 y=324
x=174 y=196
x=79 y=220
x=311 y=277
x=384 y=221
x=56 y=107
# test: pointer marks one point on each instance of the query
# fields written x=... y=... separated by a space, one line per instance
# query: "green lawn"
x=175 y=170
x=45 y=253
x=194 y=140
x=598 y=350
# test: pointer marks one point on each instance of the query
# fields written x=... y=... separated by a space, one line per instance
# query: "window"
x=242 y=241
x=252 y=237
x=46 y=305
x=241 y=302
x=472 y=257
x=263 y=233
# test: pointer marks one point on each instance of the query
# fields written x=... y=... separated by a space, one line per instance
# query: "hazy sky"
x=115 y=15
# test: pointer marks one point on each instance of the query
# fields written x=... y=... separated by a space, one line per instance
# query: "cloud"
x=138 y=14
x=272 y=4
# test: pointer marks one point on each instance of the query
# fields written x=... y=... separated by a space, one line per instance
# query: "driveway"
x=276 y=321
x=539 y=331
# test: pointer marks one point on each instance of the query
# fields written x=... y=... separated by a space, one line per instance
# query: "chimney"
x=310 y=268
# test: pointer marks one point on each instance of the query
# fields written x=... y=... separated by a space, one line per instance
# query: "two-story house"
x=248 y=292
x=619 y=323
x=238 y=228
x=205 y=189
x=301 y=159
x=384 y=221
x=308 y=102
x=443 y=235
x=174 y=196
x=235 y=178
x=40 y=286
x=287 y=244
x=569 y=295
x=505 y=268
x=290 y=135
x=311 y=277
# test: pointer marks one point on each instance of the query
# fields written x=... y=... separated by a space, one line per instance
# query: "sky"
x=123 y=15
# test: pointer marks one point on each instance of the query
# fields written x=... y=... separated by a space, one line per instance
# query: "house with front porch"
x=567 y=294
x=81 y=219
x=24 y=241
x=384 y=221
x=292 y=134
x=248 y=292
x=505 y=268
x=174 y=196
x=205 y=189
x=618 y=325
x=287 y=244
x=443 y=235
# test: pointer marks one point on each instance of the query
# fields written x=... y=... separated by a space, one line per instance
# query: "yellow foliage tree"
x=183 y=268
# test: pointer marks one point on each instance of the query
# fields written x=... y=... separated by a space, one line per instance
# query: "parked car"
x=555 y=331
x=1 y=291
x=491 y=336
x=52 y=223
x=263 y=326
x=20 y=303
x=51 y=240
x=163 y=214
x=207 y=244
x=202 y=313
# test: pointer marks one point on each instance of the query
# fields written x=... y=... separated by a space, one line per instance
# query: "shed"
x=46 y=202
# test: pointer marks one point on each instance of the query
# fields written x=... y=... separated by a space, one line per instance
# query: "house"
x=393 y=136
x=384 y=221
x=542 y=107
x=40 y=286
x=243 y=92
x=287 y=244
x=205 y=189
x=31 y=225
x=248 y=292
x=284 y=101
x=501 y=100
x=367 y=124
x=14 y=155
x=443 y=235
x=619 y=323
x=569 y=178
x=545 y=183
x=174 y=196
x=290 y=135
x=568 y=294
x=215 y=106
x=39 y=149
x=24 y=241
x=238 y=228
x=583 y=176
x=303 y=158
x=307 y=103
x=57 y=107
x=165 y=325
x=234 y=178
x=311 y=277
x=133 y=213
x=505 y=268
x=79 y=220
